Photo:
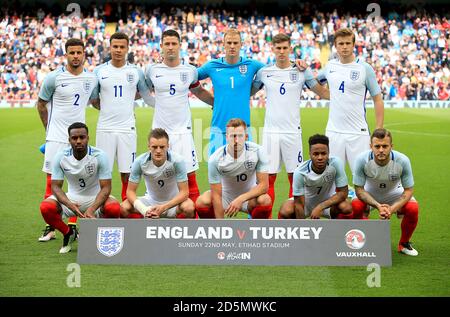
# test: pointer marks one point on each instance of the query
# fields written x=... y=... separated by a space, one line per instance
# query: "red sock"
x=124 y=188
x=48 y=186
x=51 y=216
x=410 y=219
x=181 y=216
x=261 y=212
x=193 y=187
x=358 y=208
x=290 y=178
x=271 y=191
x=111 y=210
x=135 y=215
x=206 y=212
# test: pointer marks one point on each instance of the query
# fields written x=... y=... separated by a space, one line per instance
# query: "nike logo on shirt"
x=104 y=77
x=219 y=69
x=157 y=76
x=64 y=85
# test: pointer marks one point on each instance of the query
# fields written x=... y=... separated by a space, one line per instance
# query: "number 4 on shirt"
x=341 y=87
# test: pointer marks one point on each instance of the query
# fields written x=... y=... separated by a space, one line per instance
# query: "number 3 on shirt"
x=341 y=87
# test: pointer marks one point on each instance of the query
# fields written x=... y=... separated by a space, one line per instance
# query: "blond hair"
x=236 y=122
x=232 y=31
x=344 y=32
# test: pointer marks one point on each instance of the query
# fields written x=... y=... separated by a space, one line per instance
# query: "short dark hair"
x=170 y=32
x=119 y=36
x=77 y=125
x=318 y=139
x=280 y=38
x=380 y=133
x=74 y=42
x=158 y=133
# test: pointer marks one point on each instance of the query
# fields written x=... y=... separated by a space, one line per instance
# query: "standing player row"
x=232 y=76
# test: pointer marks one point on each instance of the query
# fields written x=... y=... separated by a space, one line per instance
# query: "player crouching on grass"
x=384 y=180
x=165 y=179
x=237 y=173
x=320 y=186
x=89 y=185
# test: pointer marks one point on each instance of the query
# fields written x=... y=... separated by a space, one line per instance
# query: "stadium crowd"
x=409 y=52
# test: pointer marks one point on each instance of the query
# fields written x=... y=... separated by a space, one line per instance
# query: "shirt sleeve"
x=147 y=76
x=310 y=82
x=407 y=175
x=195 y=75
x=48 y=87
x=263 y=162
x=359 y=177
x=257 y=82
x=136 y=171
x=95 y=93
x=213 y=173
x=57 y=171
x=341 y=176
x=143 y=89
x=103 y=167
x=180 y=169
x=203 y=72
x=258 y=65
x=298 y=184
x=322 y=76
x=371 y=81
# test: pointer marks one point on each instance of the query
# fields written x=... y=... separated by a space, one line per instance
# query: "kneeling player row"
x=238 y=178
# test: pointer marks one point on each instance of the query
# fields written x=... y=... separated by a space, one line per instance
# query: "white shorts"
x=348 y=146
x=183 y=144
x=51 y=149
x=169 y=213
x=83 y=203
x=227 y=199
x=118 y=144
x=283 y=147
x=308 y=211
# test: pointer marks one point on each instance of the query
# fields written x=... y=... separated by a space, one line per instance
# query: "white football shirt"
x=117 y=89
x=171 y=85
x=385 y=183
x=82 y=175
x=318 y=187
x=283 y=90
x=348 y=85
x=237 y=176
x=160 y=181
x=68 y=96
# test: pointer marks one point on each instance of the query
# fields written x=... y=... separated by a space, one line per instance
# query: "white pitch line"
x=408 y=123
x=421 y=133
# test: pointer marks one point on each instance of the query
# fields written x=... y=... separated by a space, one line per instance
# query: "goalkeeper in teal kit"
x=232 y=78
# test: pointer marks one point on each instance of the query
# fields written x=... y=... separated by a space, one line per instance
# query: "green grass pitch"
x=30 y=268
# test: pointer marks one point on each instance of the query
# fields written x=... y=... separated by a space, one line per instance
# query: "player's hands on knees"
x=301 y=65
x=75 y=208
x=234 y=207
x=385 y=211
x=316 y=213
x=89 y=213
x=155 y=211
